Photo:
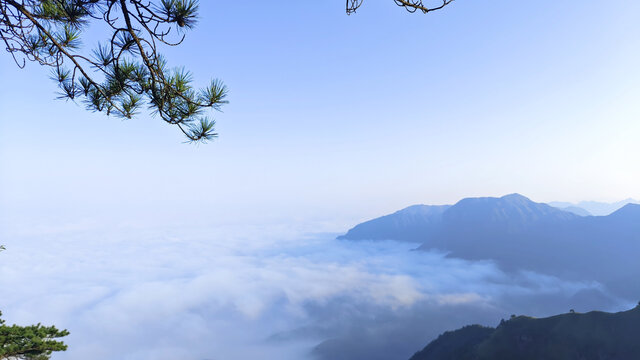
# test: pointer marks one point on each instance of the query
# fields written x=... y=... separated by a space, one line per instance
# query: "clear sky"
x=126 y=236
x=339 y=118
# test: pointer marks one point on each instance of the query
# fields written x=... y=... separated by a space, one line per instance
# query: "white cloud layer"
x=241 y=294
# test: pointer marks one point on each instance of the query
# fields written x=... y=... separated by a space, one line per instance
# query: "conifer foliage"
x=125 y=72
x=34 y=342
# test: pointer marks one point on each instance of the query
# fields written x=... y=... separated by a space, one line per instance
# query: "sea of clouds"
x=262 y=292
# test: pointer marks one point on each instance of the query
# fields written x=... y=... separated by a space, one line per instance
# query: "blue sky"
x=336 y=118
x=142 y=246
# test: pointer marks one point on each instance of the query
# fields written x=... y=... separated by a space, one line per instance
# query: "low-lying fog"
x=270 y=293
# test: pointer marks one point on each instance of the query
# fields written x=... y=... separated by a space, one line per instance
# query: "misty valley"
x=382 y=290
x=519 y=235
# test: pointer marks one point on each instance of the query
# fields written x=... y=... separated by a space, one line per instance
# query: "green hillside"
x=594 y=335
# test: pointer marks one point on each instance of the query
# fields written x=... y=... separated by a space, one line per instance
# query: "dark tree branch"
x=125 y=70
x=410 y=5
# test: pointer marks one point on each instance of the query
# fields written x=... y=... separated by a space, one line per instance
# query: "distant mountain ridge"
x=594 y=208
x=418 y=222
x=519 y=234
x=573 y=336
x=576 y=210
x=512 y=211
x=409 y=224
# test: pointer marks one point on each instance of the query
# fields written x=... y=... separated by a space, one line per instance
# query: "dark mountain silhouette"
x=573 y=336
x=519 y=234
x=455 y=345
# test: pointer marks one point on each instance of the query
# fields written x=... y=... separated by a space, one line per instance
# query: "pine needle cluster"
x=126 y=73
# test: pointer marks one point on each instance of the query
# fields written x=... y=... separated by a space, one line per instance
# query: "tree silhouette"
x=410 y=5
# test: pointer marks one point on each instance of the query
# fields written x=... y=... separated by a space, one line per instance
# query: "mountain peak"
x=627 y=211
x=513 y=209
x=516 y=197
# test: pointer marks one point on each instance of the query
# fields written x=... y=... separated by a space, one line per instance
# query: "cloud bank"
x=238 y=293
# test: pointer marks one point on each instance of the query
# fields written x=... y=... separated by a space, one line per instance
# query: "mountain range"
x=595 y=208
x=572 y=336
x=520 y=234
